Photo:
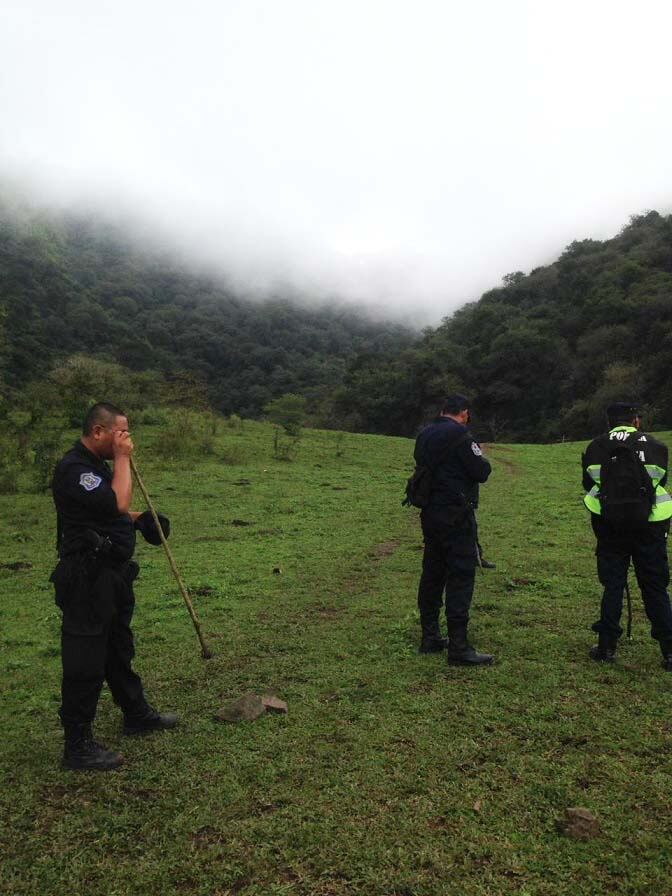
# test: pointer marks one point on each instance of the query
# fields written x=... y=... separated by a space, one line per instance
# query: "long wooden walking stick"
x=206 y=653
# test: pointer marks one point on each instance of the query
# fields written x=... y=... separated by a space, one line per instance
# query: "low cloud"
x=404 y=156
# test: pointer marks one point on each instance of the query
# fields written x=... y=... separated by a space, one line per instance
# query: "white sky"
x=406 y=153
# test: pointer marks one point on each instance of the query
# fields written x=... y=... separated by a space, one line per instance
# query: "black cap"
x=147 y=527
x=622 y=411
x=454 y=404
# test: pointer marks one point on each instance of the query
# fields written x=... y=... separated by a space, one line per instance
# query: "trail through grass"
x=392 y=773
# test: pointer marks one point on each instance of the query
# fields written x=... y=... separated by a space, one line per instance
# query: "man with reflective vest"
x=624 y=474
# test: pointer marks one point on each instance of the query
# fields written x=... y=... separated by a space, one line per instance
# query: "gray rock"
x=245 y=709
x=579 y=823
x=274 y=704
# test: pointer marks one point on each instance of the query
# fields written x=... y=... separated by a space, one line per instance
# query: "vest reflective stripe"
x=656 y=473
x=662 y=508
x=591 y=501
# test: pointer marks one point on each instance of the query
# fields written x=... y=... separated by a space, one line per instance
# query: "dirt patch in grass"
x=54 y=794
x=421 y=687
x=203 y=590
x=495 y=451
x=206 y=836
x=386 y=549
x=320 y=611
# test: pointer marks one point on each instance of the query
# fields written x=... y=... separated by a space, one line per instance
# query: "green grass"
x=392 y=773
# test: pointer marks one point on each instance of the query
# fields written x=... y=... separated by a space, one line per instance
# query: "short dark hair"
x=100 y=413
x=622 y=412
x=455 y=404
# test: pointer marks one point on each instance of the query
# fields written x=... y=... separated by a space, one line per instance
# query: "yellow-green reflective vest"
x=662 y=508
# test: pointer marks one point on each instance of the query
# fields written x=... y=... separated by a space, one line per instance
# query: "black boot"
x=433 y=644
x=666 y=650
x=432 y=641
x=605 y=649
x=82 y=753
x=460 y=651
x=149 y=721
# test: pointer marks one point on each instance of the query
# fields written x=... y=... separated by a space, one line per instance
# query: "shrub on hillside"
x=189 y=434
x=288 y=411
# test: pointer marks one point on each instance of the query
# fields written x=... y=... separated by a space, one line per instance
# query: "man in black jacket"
x=457 y=463
x=94 y=588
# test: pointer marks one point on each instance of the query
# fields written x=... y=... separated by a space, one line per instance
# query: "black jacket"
x=457 y=472
x=85 y=502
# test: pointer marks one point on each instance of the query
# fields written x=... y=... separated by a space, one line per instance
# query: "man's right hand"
x=123 y=444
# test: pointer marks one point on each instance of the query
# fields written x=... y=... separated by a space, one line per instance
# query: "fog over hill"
x=72 y=285
x=403 y=156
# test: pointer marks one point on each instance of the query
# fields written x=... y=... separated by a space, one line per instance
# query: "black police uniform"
x=644 y=543
x=94 y=589
x=448 y=526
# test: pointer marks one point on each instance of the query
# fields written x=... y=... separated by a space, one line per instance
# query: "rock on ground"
x=274 y=704
x=245 y=709
x=249 y=707
x=579 y=823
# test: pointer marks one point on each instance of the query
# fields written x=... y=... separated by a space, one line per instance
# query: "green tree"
x=288 y=411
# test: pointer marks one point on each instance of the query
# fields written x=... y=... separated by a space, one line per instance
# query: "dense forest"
x=539 y=355
x=72 y=286
x=542 y=354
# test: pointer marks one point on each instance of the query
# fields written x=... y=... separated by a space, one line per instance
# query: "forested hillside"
x=72 y=286
x=542 y=354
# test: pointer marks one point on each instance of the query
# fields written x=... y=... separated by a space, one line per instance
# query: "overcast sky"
x=403 y=152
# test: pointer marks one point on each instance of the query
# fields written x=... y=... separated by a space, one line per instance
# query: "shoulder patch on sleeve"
x=476 y=448
x=89 y=481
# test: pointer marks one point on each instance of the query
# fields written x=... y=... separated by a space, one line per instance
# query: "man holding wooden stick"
x=94 y=587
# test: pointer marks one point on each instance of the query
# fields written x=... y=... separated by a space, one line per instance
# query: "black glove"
x=147 y=527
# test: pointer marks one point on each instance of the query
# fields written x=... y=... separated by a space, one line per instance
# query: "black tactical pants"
x=646 y=545
x=97 y=641
x=448 y=564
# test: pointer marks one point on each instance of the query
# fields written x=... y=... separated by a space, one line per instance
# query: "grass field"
x=392 y=773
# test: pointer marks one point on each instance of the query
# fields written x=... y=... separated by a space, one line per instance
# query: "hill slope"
x=71 y=285
x=544 y=353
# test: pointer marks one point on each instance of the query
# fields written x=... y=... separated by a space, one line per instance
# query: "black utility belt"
x=90 y=543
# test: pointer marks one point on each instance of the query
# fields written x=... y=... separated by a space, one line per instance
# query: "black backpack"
x=419 y=485
x=626 y=493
